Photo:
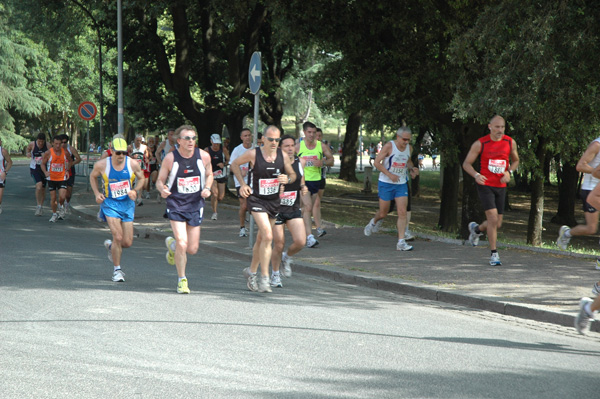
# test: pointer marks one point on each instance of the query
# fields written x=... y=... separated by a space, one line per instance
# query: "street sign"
x=254 y=72
x=87 y=110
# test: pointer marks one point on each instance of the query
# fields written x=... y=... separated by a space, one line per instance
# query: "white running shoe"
x=583 y=320
x=252 y=283
x=596 y=289
x=408 y=235
x=495 y=259
x=377 y=226
x=403 y=246
x=54 y=218
x=286 y=265
x=243 y=232
x=68 y=209
x=170 y=253
x=158 y=198
x=562 y=242
x=147 y=195
x=473 y=236
x=276 y=281
x=61 y=212
x=107 y=245
x=246 y=272
x=311 y=242
x=321 y=233
x=263 y=284
x=118 y=276
x=38 y=210
x=214 y=216
x=139 y=201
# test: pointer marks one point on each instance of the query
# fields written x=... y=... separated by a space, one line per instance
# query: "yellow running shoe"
x=182 y=287
x=170 y=253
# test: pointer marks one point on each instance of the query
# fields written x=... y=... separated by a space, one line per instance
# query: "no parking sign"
x=87 y=110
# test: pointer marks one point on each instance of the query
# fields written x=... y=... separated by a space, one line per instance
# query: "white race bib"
x=38 y=160
x=57 y=167
x=268 y=186
x=188 y=185
x=310 y=160
x=398 y=168
x=119 y=189
x=218 y=174
x=497 y=165
x=288 y=198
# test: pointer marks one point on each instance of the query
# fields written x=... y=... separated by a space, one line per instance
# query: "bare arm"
x=209 y=174
x=139 y=180
x=514 y=163
x=248 y=156
x=583 y=165
x=470 y=159
x=385 y=152
x=327 y=155
x=45 y=159
x=163 y=174
x=76 y=155
x=29 y=149
x=97 y=172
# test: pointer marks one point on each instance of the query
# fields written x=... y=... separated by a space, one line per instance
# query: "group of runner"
x=280 y=183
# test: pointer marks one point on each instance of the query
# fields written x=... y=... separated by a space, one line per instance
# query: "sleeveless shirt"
x=186 y=181
x=396 y=163
x=263 y=176
x=494 y=159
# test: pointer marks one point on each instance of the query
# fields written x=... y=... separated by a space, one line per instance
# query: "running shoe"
x=99 y=216
x=583 y=320
x=276 y=281
x=147 y=195
x=68 y=209
x=214 y=216
x=118 y=276
x=495 y=259
x=158 y=198
x=597 y=263
x=286 y=265
x=252 y=283
x=377 y=226
x=403 y=246
x=246 y=272
x=596 y=289
x=61 y=212
x=408 y=235
x=107 y=245
x=170 y=255
x=563 y=241
x=473 y=236
x=54 y=218
x=321 y=233
x=182 y=287
x=38 y=210
x=264 y=284
x=311 y=242
x=243 y=232
x=139 y=201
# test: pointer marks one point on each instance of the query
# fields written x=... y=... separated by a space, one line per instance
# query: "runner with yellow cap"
x=117 y=201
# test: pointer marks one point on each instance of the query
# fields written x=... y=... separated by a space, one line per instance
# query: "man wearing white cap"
x=117 y=202
x=219 y=158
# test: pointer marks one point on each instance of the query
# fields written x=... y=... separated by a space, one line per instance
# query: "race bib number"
x=310 y=160
x=288 y=198
x=268 y=186
x=57 y=167
x=497 y=165
x=398 y=168
x=38 y=160
x=218 y=174
x=119 y=189
x=188 y=185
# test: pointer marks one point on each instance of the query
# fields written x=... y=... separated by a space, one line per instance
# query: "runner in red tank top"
x=499 y=158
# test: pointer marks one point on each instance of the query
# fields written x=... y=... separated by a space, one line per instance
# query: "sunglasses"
x=188 y=138
x=405 y=139
x=120 y=152
x=65 y=142
x=277 y=140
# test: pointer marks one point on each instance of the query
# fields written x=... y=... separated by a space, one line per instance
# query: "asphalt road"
x=66 y=330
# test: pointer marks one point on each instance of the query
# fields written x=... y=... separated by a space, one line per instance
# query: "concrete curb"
x=397 y=286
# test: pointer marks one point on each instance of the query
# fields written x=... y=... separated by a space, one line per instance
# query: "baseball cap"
x=119 y=144
x=215 y=138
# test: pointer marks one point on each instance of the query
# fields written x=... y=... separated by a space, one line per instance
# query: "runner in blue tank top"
x=117 y=201
x=184 y=180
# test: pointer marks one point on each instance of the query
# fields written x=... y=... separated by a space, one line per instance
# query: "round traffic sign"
x=87 y=110
x=254 y=72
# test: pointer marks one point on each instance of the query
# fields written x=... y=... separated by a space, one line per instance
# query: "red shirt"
x=495 y=159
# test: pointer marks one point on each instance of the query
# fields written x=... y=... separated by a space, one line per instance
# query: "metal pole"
x=120 y=118
x=360 y=147
x=101 y=93
x=254 y=141
x=87 y=162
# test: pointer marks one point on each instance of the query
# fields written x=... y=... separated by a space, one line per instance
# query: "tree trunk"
x=536 y=210
x=567 y=188
x=415 y=183
x=471 y=207
x=348 y=161
x=448 y=220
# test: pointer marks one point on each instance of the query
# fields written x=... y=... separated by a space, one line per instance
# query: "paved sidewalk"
x=537 y=285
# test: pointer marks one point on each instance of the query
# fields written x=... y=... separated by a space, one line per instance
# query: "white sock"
x=181 y=278
x=117 y=267
x=275 y=273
